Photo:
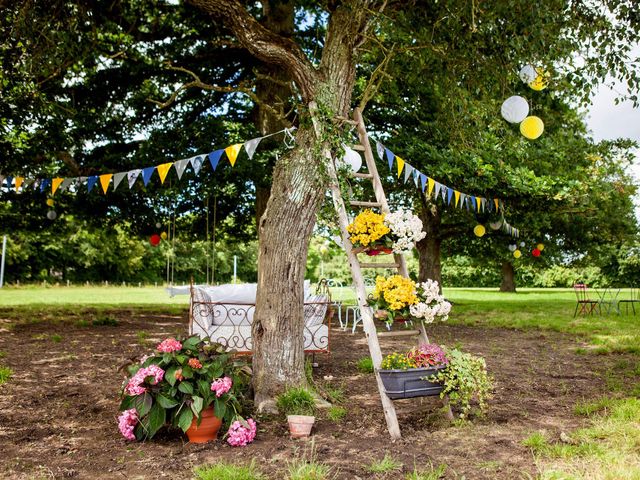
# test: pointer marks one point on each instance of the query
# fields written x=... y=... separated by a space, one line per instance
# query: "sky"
x=608 y=121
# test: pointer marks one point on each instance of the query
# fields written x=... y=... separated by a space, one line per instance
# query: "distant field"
x=542 y=308
x=89 y=296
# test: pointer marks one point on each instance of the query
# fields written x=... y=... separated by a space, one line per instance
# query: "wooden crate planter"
x=409 y=383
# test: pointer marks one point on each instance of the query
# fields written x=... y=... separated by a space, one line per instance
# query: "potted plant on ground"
x=191 y=384
x=464 y=380
x=298 y=404
x=400 y=298
x=407 y=375
x=376 y=233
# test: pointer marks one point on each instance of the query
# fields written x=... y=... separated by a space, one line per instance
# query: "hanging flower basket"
x=410 y=383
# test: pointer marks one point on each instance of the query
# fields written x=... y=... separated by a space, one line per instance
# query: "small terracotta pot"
x=208 y=428
x=300 y=425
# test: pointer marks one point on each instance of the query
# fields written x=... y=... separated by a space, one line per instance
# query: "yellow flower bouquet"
x=368 y=230
x=394 y=295
x=377 y=233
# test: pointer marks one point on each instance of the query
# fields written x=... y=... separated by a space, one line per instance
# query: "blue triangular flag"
x=9 y=182
x=423 y=180
x=91 y=181
x=146 y=174
x=449 y=195
x=214 y=158
x=390 y=157
x=473 y=202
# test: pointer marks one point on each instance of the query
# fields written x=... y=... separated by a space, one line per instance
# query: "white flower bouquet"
x=431 y=305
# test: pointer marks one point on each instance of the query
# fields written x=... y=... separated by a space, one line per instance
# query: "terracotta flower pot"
x=208 y=428
x=300 y=425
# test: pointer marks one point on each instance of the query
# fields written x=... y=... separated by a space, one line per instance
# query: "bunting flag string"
x=434 y=189
x=60 y=184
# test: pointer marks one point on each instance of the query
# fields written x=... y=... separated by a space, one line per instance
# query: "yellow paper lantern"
x=50 y=202
x=163 y=235
x=532 y=127
x=540 y=247
x=517 y=254
x=479 y=230
x=540 y=83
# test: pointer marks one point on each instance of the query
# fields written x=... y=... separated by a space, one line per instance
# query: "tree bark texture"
x=508 y=278
x=299 y=182
x=429 y=247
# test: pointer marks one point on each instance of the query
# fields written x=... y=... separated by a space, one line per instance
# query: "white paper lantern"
x=515 y=109
x=528 y=74
x=352 y=158
x=522 y=244
x=512 y=248
x=158 y=225
x=51 y=215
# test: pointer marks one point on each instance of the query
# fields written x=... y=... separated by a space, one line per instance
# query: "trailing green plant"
x=296 y=401
x=465 y=378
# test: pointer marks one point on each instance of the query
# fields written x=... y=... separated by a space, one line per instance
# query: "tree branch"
x=198 y=83
x=262 y=43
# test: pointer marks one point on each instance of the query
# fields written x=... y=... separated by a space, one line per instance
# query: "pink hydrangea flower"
x=134 y=386
x=127 y=421
x=221 y=386
x=169 y=345
x=240 y=434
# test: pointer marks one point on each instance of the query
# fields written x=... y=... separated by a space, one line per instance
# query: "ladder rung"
x=363 y=175
x=357 y=203
x=379 y=265
x=358 y=147
x=399 y=333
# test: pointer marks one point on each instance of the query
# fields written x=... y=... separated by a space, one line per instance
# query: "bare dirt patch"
x=58 y=411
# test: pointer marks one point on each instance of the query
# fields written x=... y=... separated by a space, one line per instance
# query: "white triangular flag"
x=65 y=184
x=180 y=166
x=416 y=177
x=437 y=189
x=117 y=178
x=251 y=145
x=380 y=149
x=407 y=171
x=196 y=163
x=132 y=176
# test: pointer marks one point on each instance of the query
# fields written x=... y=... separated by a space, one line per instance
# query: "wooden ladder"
x=356 y=266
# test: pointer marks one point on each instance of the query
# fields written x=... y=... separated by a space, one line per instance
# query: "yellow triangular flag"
x=19 y=181
x=497 y=202
x=400 y=164
x=479 y=203
x=55 y=183
x=431 y=183
x=457 y=195
x=232 y=152
x=163 y=170
x=104 y=181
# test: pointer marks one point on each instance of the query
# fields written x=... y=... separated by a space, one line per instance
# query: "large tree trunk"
x=429 y=247
x=508 y=278
x=285 y=229
x=299 y=181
